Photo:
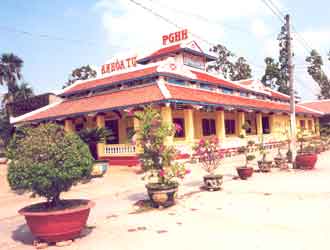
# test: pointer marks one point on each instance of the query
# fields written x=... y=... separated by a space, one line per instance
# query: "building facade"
x=173 y=80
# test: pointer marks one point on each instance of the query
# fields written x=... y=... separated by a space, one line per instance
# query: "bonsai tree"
x=264 y=164
x=47 y=161
x=246 y=150
x=157 y=159
x=207 y=152
x=92 y=136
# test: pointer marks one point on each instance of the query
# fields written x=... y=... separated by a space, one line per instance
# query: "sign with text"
x=175 y=37
x=118 y=65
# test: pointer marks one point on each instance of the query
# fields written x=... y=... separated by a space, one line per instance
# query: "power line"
x=153 y=12
x=50 y=37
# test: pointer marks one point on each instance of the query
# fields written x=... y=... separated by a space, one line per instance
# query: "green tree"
x=272 y=73
x=47 y=161
x=316 y=72
x=227 y=66
x=82 y=73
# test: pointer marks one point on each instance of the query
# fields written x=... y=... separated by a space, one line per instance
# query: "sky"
x=54 y=37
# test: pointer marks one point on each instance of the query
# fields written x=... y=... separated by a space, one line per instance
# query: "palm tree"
x=10 y=70
x=18 y=92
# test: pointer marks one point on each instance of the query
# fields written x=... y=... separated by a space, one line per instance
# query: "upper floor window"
x=227 y=91
x=206 y=86
x=243 y=94
x=176 y=81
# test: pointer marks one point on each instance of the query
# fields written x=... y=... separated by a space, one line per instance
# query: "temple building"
x=174 y=80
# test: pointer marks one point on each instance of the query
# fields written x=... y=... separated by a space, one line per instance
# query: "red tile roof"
x=322 y=105
x=111 y=79
x=215 y=80
x=100 y=103
x=197 y=95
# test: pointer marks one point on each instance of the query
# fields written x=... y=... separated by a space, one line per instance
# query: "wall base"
x=129 y=161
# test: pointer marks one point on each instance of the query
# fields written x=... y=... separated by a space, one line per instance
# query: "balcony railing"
x=119 y=150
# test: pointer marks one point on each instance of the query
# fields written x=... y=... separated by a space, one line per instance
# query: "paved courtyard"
x=279 y=210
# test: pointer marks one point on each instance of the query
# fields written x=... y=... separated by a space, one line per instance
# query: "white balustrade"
x=119 y=149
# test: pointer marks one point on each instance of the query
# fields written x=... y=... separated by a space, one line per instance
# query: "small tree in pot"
x=306 y=157
x=246 y=171
x=207 y=152
x=157 y=159
x=47 y=161
x=264 y=164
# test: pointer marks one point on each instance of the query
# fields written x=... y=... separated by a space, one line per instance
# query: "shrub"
x=47 y=161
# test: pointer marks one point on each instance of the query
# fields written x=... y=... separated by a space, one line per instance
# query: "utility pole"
x=292 y=90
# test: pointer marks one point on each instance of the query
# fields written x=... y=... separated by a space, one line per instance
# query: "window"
x=265 y=125
x=302 y=124
x=230 y=127
x=310 y=125
x=112 y=126
x=249 y=128
x=227 y=91
x=208 y=126
x=206 y=86
x=176 y=81
x=180 y=130
x=243 y=94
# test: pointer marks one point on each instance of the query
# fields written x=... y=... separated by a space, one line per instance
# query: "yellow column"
x=122 y=130
x=240 y=122
x=220 y=124
x=317 y=126
x=136 y=125
x=189 y=125
x=259 y=123
x=166 y=113
x=100 y=123
x=69 y=125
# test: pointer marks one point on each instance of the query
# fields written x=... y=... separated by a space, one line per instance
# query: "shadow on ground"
x=23 y=235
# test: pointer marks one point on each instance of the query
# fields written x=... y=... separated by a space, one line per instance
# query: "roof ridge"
x=163 y=89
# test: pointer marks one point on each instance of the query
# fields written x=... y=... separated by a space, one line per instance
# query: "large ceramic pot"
x=100 y=167
x=306 y=160
x=162 y=195
x=213 y=182
x=244 y=172
x=265 y=166
x=55 y=226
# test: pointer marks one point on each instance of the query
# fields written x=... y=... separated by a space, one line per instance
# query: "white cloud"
x=259 y=28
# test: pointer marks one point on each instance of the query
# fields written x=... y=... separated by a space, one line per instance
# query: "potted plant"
x=246 y=171
x=207 y=153
x=157 y=158
x=264 y=164
x=306 y=157
x=279 y=159
x=93 y=136
x=47 y=161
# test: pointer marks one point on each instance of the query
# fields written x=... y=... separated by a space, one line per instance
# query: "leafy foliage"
x=47 y=161
x=92 y=136
x=316 y=72
x=208 y=153
x=82 y=73
x=10 y=70
x=246 y=150
x=157 y=159
x=227 y=66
